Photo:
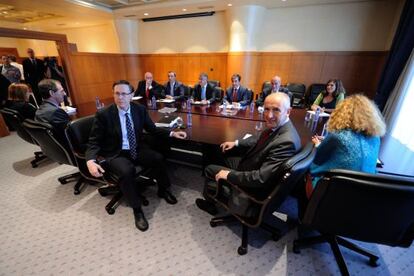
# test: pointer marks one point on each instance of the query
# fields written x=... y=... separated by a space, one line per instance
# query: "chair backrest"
x=214 y=83
x=290 y=173
x=314 y=90
x=51 y=147
x=13 y=119
x=187 y=91
x=298 y=92
x=250 y=94
x=266 y=85
x=77 y=134
x=361 y=206
x=219 y=93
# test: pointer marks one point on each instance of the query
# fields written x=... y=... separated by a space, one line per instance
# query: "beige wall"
x=361 y=26
x=41 y=47
x=96 y=39
x=190 y=35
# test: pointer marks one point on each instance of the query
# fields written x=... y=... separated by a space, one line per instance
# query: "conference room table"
x=210 y=125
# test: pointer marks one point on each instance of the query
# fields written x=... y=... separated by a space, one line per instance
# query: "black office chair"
x=214 y=83
x=43 y=134
x=360 y=206
x=13 y=119
x=219 y=93
x=298 y=94
x=253 y=211
x=266 y=85
x=314 y=90
x=77 y=134
x=250 y=95
x=188 y=91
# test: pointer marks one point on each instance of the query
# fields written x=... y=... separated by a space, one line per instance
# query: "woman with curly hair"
x=329 y=98
x=353 y=139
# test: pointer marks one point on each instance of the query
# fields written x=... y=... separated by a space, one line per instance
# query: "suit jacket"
x=178 y=90
x=33 y=73
x=106 y=135
x=57 y=117
x=243 y=96
x=258 y=167
x=210 y=93
x=156 y=90
x=267 y=91
x=25 y=109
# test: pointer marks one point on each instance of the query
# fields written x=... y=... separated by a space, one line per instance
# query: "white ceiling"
x=81 y=13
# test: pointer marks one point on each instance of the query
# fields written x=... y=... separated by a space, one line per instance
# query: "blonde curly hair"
x=359 y=114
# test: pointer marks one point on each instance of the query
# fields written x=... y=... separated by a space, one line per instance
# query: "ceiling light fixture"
x=24 y=28
x=184 y=9
x=229 y=4
x=146 y=14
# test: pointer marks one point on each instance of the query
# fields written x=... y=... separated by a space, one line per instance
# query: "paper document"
x=70 y=110
x=136 y=98
x=322 y=114
x=165 y=101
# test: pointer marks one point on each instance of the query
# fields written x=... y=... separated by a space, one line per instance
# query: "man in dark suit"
x=148 y=88
x=50 y=112
x=275 y=83
x=237 y=93
x=203 y=91
x=256 y=168
x=117 y=135
x=34 y=71
x=173 y=88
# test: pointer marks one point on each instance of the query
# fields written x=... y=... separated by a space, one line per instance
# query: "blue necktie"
x=203 y=93
x=131 y=138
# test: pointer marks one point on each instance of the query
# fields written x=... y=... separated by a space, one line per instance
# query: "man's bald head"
x=276 y=109
x=283 y=97
x=276 y=81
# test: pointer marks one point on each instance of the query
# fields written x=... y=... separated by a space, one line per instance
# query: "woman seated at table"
x=18 y=100
x=353 y=140
x=329 y=98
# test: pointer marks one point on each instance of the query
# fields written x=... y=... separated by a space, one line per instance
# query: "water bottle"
x=224 y=105
x=189 y=119
x=98 y=103
x=189 y=103
x=154 y=102
x=317 y=115
x=252 y=107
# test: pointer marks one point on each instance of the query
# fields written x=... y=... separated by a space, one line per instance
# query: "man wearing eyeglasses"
x=117 y=136
x=50 y=112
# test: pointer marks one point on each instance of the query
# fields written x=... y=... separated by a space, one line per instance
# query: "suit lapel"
x=117 y=124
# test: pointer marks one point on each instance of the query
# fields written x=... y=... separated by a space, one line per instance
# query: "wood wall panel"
x=359 y=71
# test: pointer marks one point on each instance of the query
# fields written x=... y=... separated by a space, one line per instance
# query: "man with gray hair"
x=275 y=86
x=256 y=168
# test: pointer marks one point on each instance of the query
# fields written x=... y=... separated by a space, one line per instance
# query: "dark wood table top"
x=212 y=127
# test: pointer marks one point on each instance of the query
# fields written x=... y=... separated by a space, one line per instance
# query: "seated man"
x=254 y=171
x=50 y=112
x=116 y=135
x=148 y=88
x=173 y=88
x=203 y=91
x=237 y=93
x=275 y=87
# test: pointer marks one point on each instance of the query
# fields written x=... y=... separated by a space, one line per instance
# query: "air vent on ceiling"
x=179 y=16
x=206 y=8
x=130 y=15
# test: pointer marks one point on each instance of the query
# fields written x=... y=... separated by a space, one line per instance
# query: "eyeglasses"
x=121 y=94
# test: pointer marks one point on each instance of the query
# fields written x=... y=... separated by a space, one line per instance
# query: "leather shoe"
x=168 y=196
x=206 y=206
x=140 y=221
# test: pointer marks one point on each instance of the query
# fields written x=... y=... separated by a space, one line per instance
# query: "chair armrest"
x=255 y=200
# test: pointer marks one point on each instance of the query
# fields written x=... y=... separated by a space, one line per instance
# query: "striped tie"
x=131 y=138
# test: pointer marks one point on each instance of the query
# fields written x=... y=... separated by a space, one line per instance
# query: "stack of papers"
x=136 y=98
x=167 y=122
x=167 y=110
x=70 y=110
x=231 y=106
x=165 y=101
x=199 y=103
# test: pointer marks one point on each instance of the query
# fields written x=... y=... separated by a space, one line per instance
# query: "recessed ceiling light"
x=184 y=9
x=5 y=12
x=146 y=14
x=284 y=0
x=24 y=28
x=229 y=4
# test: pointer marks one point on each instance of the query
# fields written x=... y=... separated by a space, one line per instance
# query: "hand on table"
x=179 y=134
x=227 y=146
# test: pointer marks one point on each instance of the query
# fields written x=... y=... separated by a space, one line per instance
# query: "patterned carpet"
x=46 y=230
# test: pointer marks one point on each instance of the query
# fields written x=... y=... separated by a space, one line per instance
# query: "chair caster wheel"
x=213 y=223
x=242 y=250
x=373 y=262
x=63 y=181
x=110 y=211
x=35 y=165
x=296 y=248
x=145 y=202
x=76 y=192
